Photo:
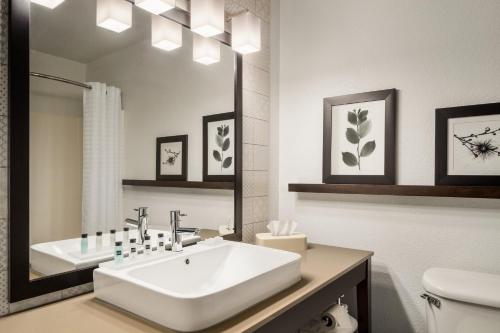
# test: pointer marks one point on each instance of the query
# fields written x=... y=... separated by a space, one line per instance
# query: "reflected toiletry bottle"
x=133 y=249
x=147 y=244
x=125 y=236
x=98 y=240
x=161 y=242
x=84 y=244
x=118 y=252
x=112 y=237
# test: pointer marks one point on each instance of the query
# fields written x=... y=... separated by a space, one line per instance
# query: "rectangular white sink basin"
x=200 y=287
x=65 y=255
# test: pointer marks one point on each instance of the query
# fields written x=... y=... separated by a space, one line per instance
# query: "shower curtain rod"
x=60 y=79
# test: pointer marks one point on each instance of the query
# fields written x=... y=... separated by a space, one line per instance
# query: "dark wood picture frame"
x=441 y=152
x=206 y=120
x=389 y=96
x=20 y=285
x=183 y=139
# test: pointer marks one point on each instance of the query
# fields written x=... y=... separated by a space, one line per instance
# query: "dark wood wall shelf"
x=180 y=184
x=491 y=192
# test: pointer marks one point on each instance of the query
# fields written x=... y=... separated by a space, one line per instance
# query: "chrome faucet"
x=175 y=238
x=141 y=223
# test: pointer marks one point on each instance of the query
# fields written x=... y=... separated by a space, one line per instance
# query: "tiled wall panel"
x=4 y=239
x=256 y=105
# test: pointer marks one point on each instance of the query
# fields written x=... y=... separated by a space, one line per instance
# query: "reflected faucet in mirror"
x=141 y=223
x=176 y=237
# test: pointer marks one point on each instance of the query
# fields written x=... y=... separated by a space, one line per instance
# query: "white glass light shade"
x=155 y=6
x=165 y=34
x=245 y=32
x=48 y=3
x=114 y=15
x=205 y=50
x=207 y=17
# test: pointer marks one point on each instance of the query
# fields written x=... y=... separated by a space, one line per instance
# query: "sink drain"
x=187 y=261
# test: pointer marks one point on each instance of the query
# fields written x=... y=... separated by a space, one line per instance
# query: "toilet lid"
x=470 y=287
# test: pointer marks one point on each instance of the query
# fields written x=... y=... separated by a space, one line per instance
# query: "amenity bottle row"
x=84 y=241
x=134 y=252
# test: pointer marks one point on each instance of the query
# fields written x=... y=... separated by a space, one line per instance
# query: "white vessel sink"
x=199 y=287
x=65 y=255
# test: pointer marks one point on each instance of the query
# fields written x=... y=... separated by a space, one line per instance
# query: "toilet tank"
x=461 y=301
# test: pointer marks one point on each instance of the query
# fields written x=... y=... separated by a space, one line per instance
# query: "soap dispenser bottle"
x=98 y=240
x=118 y=252
x=84 y=244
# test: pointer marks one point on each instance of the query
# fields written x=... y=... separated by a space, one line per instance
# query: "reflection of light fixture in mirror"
x=48 y=3
x=114 y=15
x=155 y=6
x=207 y=17
x=205 y=50
x=245 y=33
x=165 y=34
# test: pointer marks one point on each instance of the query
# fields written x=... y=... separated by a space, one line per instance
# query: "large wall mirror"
x=104 y=123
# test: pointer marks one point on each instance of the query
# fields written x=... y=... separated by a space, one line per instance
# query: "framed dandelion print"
x=468 y=145
x=359 y=138
x=171 y=157
x=218 y=147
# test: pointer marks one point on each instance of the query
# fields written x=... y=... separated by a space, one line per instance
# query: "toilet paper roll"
x=352 y=329
x=338 y=314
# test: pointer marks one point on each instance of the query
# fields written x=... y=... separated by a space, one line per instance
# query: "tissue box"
x=296 y=242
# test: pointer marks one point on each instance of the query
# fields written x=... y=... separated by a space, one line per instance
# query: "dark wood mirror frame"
x=20 y=285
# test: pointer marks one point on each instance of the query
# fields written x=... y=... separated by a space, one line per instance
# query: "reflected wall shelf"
x=180 y=184
x=491 y=192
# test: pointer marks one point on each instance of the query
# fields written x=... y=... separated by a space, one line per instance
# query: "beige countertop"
x=320 y=265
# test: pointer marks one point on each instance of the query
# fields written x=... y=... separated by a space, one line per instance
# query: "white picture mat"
x=375 y=162
x=165 y=168
x=461 y=162
x=213 y=166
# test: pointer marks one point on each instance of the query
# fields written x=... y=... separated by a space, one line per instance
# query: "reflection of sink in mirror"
x=200 y=287
x=65 y=255
x=86 y=138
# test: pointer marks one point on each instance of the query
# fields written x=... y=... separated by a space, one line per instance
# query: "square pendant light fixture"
x=48 y=3
x=245 y=33
x=205 y=50
x=156 y=6
x=207 y=17
x=114 y=15
x=165 y=34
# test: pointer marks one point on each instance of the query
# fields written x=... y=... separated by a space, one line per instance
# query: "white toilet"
x=461 y=301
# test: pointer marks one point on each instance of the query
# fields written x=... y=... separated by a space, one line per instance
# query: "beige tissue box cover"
x=295 y=243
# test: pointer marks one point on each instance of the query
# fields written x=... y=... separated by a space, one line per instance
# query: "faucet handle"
x=182 y=214
x=142 y=211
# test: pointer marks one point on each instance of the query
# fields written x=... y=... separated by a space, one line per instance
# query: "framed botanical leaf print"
x=171 y=157
x=468 y=145
x=359 y=138
x=218 y=147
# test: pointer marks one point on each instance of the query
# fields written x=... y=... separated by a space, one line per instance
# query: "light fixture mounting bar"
x=183 y=17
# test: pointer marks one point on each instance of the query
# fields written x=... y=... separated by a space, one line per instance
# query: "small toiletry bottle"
x=133 y=249
x=161 y=242
x=84 y=244
x=98 y=240
x=118 y=252
x=147 y=244
x=112 y=237
x=125 y=236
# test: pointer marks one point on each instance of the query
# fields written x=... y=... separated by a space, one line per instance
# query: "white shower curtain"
x=102 y=158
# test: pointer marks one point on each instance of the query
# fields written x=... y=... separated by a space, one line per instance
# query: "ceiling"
x=70 y=31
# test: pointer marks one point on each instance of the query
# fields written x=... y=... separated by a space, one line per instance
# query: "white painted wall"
x=437 y=54
x=56 y=156
x=166 y=94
